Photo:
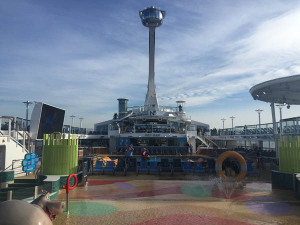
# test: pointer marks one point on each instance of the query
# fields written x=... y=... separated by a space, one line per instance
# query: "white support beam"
x=275 y=132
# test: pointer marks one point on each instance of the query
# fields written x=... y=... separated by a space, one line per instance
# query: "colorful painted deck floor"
x=179 y=202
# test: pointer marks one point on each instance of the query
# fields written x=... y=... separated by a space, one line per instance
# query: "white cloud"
x=209 y=53
x=270 y=51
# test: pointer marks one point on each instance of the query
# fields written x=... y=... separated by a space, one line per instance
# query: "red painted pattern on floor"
x=185 y=219
x=103 y=182
x=142 y=194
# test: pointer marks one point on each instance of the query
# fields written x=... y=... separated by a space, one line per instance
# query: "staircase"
x=19 y=190
x=207 y=142
x=14 y=144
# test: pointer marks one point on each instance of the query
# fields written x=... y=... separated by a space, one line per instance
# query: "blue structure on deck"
x=29 y=163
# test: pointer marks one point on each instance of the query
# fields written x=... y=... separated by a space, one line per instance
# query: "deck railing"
x=17 y=133
x=289 y=127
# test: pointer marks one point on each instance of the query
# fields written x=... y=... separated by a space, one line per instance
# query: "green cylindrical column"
x=60 y=155
x=289 y=154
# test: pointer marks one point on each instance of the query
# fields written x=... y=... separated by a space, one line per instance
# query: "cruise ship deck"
x=149 y=200
x=150 y=164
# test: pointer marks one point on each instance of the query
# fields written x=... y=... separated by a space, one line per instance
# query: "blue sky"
x=83 y=55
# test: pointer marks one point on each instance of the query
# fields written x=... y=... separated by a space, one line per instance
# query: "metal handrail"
x=13 y=162
x=5 y=168
x=209 y=140
x=18 y=143
x=18 y=129
x=11 y=165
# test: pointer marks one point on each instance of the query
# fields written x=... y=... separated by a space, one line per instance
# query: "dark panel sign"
x=52 y=120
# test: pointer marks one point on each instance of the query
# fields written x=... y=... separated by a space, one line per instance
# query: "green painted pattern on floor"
x=195 y=190
x=90 y=209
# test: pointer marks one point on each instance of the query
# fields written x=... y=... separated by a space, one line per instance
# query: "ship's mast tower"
x=151 y=17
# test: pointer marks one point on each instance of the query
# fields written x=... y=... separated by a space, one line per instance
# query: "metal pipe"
x=72 y=123
x=80 y=126
x=68 y=199
x=223 y=120
x=280 y=111
x=259 y=111
x=281 y=131
x=27 y=103
x=232 y=117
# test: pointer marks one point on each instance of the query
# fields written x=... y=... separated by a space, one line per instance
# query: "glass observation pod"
x=152 y=17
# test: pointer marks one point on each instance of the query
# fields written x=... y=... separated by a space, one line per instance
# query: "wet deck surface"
x=123 y=200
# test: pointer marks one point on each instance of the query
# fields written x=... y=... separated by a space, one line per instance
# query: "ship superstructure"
x=151 y=124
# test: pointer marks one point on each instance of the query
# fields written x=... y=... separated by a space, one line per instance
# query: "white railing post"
x=9 y=130
x=30 y=145
x=9 y=195
x=23 y=145
x=36 y=189
x=17 y=136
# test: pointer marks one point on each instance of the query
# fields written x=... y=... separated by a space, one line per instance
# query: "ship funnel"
x=123 y=105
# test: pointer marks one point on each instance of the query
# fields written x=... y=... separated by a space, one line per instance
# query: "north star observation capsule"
x=151 y=18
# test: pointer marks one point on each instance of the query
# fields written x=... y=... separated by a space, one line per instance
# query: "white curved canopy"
x=281 y=90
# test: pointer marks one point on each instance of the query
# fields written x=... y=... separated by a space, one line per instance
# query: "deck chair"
x=131 y=164
x=166 y=166
x=176 y=166
x=154 y=167
x=187 y=167
x=122 y=166
x=110 y=167
x=250 y=169
x=98 y=167
x=211 y=166
x=143 y=167
x=198 y=168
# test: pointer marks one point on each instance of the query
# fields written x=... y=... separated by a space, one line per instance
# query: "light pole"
x=280 y=108
x=232 y=118
x=27 y=103
x=223 y=120
x=259 y=111
x=80 y=126
x=72 y=123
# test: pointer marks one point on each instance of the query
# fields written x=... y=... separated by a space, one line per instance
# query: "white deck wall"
x=13 y=151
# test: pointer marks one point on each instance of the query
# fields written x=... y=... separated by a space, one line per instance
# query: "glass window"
x=152 y=13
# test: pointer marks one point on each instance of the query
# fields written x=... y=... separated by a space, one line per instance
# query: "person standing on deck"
x=145 y=154
x=191 y=148
x=128 y=153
